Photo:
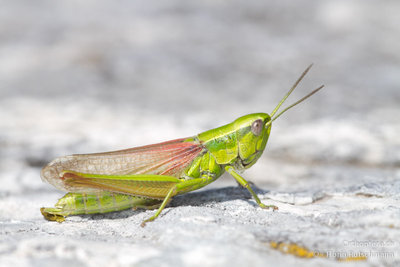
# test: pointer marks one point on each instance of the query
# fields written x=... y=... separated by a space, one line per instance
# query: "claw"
x=143 y=224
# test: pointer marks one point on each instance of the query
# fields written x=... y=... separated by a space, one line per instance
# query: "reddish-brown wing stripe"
x=178 y=160
x=180 y=163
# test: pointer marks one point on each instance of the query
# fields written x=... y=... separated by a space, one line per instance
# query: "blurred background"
x=92 y=76
x=79 y=77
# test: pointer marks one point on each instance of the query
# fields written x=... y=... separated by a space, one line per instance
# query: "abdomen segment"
x=102 y=202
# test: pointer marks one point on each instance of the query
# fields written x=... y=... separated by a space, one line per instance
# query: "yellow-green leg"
x=245 y=184
x=184 y=186
x=167 y=199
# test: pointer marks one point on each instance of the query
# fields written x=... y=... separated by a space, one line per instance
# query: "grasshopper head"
x=253 y=130
x=252 y=136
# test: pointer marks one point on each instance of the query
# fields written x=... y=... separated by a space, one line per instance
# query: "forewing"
x=168 y=158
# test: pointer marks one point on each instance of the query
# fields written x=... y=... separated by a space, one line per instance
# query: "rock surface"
x=79 y=77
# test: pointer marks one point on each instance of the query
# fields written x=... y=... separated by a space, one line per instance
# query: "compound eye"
x=256 y=127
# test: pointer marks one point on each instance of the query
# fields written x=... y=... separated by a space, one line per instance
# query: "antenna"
x=273 y=117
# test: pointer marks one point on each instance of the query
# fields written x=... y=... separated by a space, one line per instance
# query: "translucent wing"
x=168 y=158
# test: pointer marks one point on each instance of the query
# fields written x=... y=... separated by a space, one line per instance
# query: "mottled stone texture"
x=90 y=76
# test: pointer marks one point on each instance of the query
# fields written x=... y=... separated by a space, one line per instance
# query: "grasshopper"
x=149 y=176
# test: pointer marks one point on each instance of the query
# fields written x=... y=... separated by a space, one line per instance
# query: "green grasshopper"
x=149 y=176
